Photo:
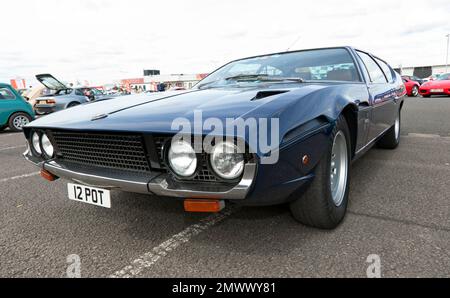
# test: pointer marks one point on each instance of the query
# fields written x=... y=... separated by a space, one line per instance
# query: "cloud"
x=105 y=40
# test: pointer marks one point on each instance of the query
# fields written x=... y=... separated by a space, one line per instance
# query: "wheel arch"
x=72 y=102
x=19 y=111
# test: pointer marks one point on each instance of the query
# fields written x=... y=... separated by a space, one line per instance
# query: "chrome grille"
x=124 y=152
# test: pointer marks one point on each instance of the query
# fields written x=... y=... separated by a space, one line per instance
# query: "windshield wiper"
x=240 y=77
x=265 y=78
x=282 y=79
x=247 y=77
x=255 y=77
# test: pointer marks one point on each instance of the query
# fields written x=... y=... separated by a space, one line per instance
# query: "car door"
x=8 y=104
x=382 y=96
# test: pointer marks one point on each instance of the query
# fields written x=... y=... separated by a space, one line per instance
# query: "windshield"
x=443 y=77
x=311 y=65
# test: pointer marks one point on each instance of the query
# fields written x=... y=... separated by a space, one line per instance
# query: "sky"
x=101 y=41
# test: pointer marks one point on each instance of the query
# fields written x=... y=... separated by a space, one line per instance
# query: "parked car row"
x=440 y=85
x=19 y=107
x=63 y=96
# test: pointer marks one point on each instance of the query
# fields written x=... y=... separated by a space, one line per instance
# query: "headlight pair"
x=42 y=145
x=224 y=159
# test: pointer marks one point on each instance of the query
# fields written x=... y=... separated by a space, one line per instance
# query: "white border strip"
x=157 y=253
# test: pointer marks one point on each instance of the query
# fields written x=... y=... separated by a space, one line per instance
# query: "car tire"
x=18 y=120
x=391 y=138
x=415 y=91
x=37 y=112
x=321 y=205
x=73 y=104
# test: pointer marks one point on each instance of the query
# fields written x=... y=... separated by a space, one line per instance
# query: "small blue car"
x=15 y=111
x=265 y=130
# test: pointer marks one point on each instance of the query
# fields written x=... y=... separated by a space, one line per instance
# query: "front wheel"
x=18 y=120
x=324 y=203
x=415 y=91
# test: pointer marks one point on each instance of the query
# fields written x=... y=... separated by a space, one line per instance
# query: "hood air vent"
x=264 y=94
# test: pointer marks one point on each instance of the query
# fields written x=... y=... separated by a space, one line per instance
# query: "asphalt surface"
x=399 y=209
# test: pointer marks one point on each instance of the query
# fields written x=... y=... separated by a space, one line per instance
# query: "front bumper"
x=154 y=183
x=433 y=92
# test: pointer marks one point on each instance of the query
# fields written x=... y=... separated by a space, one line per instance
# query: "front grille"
x=204 y=174
x=123 y=152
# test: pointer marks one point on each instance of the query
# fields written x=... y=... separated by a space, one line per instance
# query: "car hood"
x=155 y=112
x=436 y=84
x=50 y=82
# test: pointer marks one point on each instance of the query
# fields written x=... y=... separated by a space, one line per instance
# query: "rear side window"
x=79 y=92
x=375 y=72
x=386 y=69
x=5 y=93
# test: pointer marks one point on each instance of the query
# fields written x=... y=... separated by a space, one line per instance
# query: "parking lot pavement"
x=399 y=209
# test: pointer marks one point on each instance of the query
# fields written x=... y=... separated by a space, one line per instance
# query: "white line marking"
x=19 y=177
x=9 y=134
x=150 y=258
x=14 y=147
x=423 y=135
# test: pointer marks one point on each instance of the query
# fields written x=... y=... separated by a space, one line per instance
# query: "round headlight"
x=226 y=162
x=35 y=143
x=182 y=158
x=47 y=145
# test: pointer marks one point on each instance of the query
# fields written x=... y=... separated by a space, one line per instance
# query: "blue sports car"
x=264 y=130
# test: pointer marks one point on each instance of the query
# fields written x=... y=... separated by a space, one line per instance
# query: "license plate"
x=90 y=195
x=437 y=90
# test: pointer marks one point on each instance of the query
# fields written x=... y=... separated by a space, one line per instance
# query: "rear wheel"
x=415 y=91
x=38 y=112
x=324 y=203
x=73 y=104
x=391 y=139
x=18 y=120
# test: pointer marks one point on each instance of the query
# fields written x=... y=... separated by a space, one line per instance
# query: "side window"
x=386 y=69
x=375 y=73
x=79 y=92
x=5 y=93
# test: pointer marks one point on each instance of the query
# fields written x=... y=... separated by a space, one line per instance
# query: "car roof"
x=296 y=51
x=4 y=85
x=349 y=48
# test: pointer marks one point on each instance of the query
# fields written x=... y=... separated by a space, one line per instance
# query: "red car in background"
x=412 y=87
x=440 y=86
